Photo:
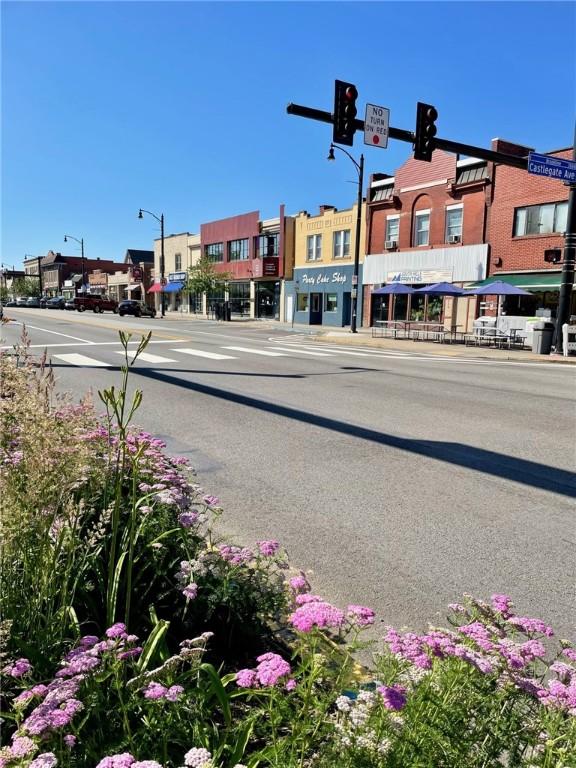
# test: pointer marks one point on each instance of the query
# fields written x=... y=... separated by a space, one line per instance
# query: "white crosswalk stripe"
x=83 y=360
x=251 y=351
x=296 y=350
x=347 y=352
x=202 y=353
x=147 y=357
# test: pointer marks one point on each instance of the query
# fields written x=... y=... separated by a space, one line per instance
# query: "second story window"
x=421 y=228
x=392 y=229
x=238 y=250
x=214 y=251
x=314 y=248
x=177 y=262
x=267 y=245
x=540 y=219
x=341 y=244
x=453 y=225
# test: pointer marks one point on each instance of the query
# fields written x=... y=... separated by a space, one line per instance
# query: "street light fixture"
x=161 y=220
x=81 y=241
x=360 y=170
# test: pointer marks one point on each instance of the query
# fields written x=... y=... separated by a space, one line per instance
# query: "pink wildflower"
x=361 y=615
x=316 y=614
x=268 y=548
x=246 y=678
x=271 y=668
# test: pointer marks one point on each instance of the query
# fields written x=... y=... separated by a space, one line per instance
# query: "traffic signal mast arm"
x=410 y=137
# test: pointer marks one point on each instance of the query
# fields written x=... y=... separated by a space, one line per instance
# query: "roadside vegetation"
x=133 y=636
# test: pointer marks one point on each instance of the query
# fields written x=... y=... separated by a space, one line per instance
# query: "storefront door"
x=316 y=309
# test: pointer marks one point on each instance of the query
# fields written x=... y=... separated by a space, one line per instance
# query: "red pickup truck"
x=95 y=303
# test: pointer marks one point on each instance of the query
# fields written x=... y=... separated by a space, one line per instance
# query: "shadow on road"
x=492 y=463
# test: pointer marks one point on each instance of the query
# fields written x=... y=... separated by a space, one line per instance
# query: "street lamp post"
x=161 y=220
x=360 y=170
x=81 y=241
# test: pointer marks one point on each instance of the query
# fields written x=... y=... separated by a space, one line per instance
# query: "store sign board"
x=323 y=278
x=270 y=266
x=415 y=276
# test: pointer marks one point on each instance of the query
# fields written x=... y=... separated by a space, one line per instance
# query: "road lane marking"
x=298 y=351
x=56 y=333
x=256 y=351
x=146 y=356
x=83 y=360
x=94 y=344
x=201 y=353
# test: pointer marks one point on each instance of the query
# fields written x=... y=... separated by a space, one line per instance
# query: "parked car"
x=136 y=308
x=33 y=301
x=95 y=303
x=56 y=302
x=21 y=301
x=70 y=304
x=10 y=303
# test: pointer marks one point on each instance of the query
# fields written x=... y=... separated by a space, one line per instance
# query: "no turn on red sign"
x=376 y=123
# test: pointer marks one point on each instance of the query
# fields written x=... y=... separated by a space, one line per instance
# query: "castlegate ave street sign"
x=376 y=124
x=553 y=167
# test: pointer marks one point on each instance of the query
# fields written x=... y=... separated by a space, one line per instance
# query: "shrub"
x=134 y=638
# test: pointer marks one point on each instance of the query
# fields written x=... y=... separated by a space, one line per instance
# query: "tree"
x=204 y=278
x=26 y=286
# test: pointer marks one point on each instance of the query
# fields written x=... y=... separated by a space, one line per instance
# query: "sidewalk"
x=363 y=338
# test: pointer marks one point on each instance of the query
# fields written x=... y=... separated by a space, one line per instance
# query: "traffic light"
x=345 y=95
x=552 y=255
x=424 y=144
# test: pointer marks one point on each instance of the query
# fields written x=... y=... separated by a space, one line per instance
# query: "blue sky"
x=180 y=107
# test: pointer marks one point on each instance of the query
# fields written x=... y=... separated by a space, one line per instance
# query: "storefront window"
x=417 y=307
x=400 y=307
x=302 y=302
x=434 y=311
x=239 y=297
x=331 y=302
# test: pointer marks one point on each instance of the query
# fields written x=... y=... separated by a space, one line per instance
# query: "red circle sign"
x=375 y=139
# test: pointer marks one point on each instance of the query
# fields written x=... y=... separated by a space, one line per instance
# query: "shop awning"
x=173 y=287
x=534 y=281
x=134 y=287
x=156 y=288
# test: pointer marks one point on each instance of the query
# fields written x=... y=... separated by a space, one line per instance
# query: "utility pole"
x=39 y=260
x=568 y=264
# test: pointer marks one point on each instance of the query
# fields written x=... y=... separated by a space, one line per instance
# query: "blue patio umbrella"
x=498 y=288
x=393 y=289
x=441 y=289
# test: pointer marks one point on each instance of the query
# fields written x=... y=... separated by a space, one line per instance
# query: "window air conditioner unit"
x=391 y=245
x=454 y=239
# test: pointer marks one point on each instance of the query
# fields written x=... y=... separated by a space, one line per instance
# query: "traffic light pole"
x=569 y=260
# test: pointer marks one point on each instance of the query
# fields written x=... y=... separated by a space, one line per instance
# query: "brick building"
x=526 y=224
x=258 y=255
x=426 y=224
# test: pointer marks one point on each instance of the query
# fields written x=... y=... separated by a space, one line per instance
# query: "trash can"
x=542 y=338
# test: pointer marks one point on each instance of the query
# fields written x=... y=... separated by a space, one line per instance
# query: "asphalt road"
x=398 y=480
